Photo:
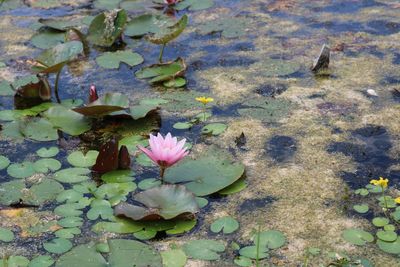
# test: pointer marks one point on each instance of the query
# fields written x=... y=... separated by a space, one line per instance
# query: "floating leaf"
x=4 y=162
x=71 y=222
x=103 y=247
x=173 y=258
x=167 y=34
x=209 y=173
x=58 y=245
x=45 y=191
x=182 y=125
x=175 y=83
x=230 y=27
x=72 y=175
x=131 y=142
x=60 y=24
x=46 y=165
x=164 y=202
x=39 y=129
x=389 y=247
x=47 y=39
x=251 y=252
x=363 y=208
x=82 y=255
x=115 y=192
x=105 y=105
x=68 y=210
x=225 y=224
x=6 y=235
x=68 y=120
x=78 y=159
x=380 y=221
x=21 y=170
x=202 y=202
x=194 y=5
x=357 y=236
x=147 y=23
x=388 y=236
x=53 y=60
x=204 y=249
x=141 y=110
x=6 y=89
x=107 y=27
x=16 y=261
x=100 y=208
x=145 y=234
x=214 y=129
x=106 y=4
x=236 y=187
x=243 y=261
x=69 y=196
x=149 y=183
x=47 y=152
x=112 y=60
x=182 y=226
x=11 y=192
x=270 y=239
x=41 y=261
x=118 y=176
x=120 y=226
x=163 y=71
x=124 y=252
x=68 y=232
x=362 y=192
x=271 y=67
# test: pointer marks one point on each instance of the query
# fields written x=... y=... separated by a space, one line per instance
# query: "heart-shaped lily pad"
x=112 y=60
x=237 y=186
x=72 y=175
x=163 y=71
x=78 y=159
x=167 y=34
x=21 y=170
x=214 y=129
x=38 y=129
x=82 y=255
x=390 y=247
x=207 y=174
x=107 y=27
x=105 y=105
x=54 y=59
x=270 y=239
x=118 y=176
x=6 y=235
x=173 y=258
x=225 y=224
x=163 y=202
x=68 y=232
x=47 y=152
x=46 y=165
x=60 y=24
x=41 y=261
x=357 y=236
x=4 y=162
x=363 y=208
x=67 y=120
x=380 y=221
x=204 y=249
x=58 y=245
x=388 y=236
x=11 y=192
x=147 y=23
x=43 y=192
x=251 y=252
x=46 y=39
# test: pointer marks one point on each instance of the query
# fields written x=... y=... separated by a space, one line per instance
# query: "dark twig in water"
x=322 y=61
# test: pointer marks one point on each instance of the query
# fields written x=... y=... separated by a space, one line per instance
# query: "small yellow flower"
x=205 y=100
x=397 y=200
x=381 y=182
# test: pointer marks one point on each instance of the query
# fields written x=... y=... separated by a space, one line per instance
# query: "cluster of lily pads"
x=385 y=225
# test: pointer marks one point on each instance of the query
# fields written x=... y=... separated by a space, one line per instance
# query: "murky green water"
x=310 y=140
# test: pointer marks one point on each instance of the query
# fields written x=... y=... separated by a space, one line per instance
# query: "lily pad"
x=182 y=226
x=41 y=261
x=47 y=39
x=60 y=24
x=243 y=261
x=141 y=110
x=362 y=192
x=40 y=193
x=39 y=129
x=167 y=34
x=357 y=236
x=53 y=59
x=182 y=125
x=236 y=187
x=112 y=60
x=100 y=208
x=209 y=173
x=4 y=162
x=363 y=208
x=173 y=258
x=149 y=183
x=194 y=5
x=175 y=83
x=106 y=4
x=68 y=120
x=120 y=226
x=125 y=252
x=163 y=71
x=71 y=222
x=69 y=196
x=145 y=234
x=21 y=170
x=389 y=247
x=47 y=152
x=388 y=236
x=270 y=239
x=105 y=105
x=72 y=175
x=380 y=221
x=204 y=249
x=11 y=192
x=107 y=27
x=82 y=255
x=115 y=192
x=16 y=261
x=6 y=235
x=229 y=27
x=214 y=129
x=163 y=202
x=118 y=176
x=58 y=245
x=147 y=23
x=78 y=159
x=6 y=89
x=225 y=224
x=68 y=232
x=46 y=165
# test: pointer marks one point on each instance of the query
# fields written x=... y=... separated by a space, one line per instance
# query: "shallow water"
x=303 y=162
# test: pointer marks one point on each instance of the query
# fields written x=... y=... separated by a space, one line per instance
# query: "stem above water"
x=162 y=171
x=56 y=86
x=161 y=53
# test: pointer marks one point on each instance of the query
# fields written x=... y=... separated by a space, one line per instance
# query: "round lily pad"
x=214 y=129
x=173 y=258
x=380 y=221
x=68 y=232
x=226 y=224
x=47 y=152
x=82 y=255
x=389 y=247
x=251 y=252
x=68 y=121
x=41 y=261
x=118 y=176
x=6 y=235
x=58 y=245
x=72 y=175
x=47 y=39
x=4 y=162
x=21 y=170
x=68 y=210
x=45 y=191
x=182 y=226
x=357 y=236
x=271 y=239
x=149 y=183
x=389 y=227
x=145 y=234
x=46 y=165
x=112 y=60
x=78 y=159
x=202 y=202
x=11 y=192
x=17 y=261
x=175 y=83
x=236 y=187
x=69 y=196
x=71 y=222
x=182 y=125
x=362 y=192
x=363 y=208
x=204 y=249
x=243 y=261
x=388 y=236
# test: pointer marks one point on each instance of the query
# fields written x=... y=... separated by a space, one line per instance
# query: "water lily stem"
x=56 y=86
x=204 y=112
x=384 y=199
x=258 y=245
x=162 y=171
x=161 y=53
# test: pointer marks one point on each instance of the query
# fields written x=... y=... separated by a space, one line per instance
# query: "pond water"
x=308 y=141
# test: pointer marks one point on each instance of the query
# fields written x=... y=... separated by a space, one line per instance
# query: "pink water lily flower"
x=93 y=96
x=165 y=151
